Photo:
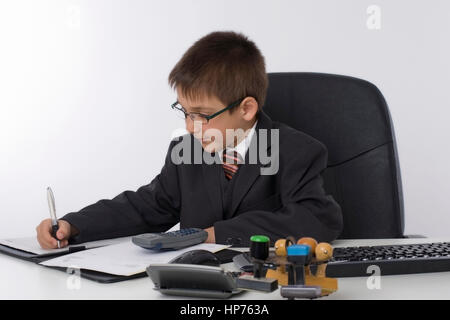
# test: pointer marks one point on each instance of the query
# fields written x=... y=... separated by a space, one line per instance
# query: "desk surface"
x=25 y=280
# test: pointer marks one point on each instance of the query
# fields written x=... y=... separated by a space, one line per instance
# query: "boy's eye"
x=198 y=117
x=194 y=116
x=200 y=114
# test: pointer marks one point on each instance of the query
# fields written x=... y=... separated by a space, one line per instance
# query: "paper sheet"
x=30 y=244
x=122 y=259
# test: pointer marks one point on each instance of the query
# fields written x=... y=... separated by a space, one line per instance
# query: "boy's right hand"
x=44 y=234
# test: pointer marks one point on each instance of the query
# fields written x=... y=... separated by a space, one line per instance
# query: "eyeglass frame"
x=186 y=114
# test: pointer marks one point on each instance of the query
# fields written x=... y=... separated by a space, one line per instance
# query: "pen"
x=51 y=206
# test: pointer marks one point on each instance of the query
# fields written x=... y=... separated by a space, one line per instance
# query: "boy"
x=234 y=192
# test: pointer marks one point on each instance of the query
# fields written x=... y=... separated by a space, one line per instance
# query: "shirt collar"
x=242 y=146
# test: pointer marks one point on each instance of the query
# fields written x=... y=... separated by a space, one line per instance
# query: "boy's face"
x=226 y=129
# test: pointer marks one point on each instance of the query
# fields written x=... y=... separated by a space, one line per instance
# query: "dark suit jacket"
x=291 y=202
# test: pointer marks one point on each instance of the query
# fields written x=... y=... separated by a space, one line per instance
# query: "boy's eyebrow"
x=196 y=108
x=200 y=108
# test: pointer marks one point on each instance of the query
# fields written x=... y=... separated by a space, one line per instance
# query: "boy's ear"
x=249 y=108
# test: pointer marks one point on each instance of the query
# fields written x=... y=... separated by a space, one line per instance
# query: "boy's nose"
x=193 y=128
x=189 y=126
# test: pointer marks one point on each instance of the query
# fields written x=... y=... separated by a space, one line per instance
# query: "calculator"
x=170 y=240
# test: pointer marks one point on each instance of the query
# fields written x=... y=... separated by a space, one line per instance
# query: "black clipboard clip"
x=76 y=249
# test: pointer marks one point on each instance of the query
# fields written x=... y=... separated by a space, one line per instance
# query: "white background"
x=84 y=99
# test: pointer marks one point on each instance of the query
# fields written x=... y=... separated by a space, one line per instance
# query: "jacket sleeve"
x=152 y=208
x=306 y=210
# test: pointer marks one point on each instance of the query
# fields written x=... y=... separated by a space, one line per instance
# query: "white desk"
x=25 y=280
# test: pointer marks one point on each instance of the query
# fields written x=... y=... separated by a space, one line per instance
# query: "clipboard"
x=224 y=255
x=96 y=276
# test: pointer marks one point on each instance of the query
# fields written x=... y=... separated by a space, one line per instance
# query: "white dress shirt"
x=242 y=146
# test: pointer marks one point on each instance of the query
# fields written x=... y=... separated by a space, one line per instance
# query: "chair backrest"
x=351 y=118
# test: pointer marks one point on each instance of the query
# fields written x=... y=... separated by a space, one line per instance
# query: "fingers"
x=64 y=243
x=63 y=232
x=46 y=241
x=45 y=238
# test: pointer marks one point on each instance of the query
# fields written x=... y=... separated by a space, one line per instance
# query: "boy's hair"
x=223 y=64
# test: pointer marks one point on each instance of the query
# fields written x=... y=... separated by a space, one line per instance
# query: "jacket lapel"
x=211 y=175
x=249 y=172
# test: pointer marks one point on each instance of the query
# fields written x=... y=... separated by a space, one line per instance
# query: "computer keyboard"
x=392 y=259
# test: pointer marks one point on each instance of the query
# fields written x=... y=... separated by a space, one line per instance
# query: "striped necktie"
x=231 y=160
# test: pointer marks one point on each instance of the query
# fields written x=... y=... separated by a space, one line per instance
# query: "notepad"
x=124 y=259
x=31 y=245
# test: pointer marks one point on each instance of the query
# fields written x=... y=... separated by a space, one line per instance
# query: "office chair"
x=351 y=118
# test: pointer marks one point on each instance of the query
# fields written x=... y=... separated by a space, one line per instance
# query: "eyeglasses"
x=196 y=116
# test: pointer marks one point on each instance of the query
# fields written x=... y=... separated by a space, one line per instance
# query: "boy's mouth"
x=207 y=139
x=208 y=144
